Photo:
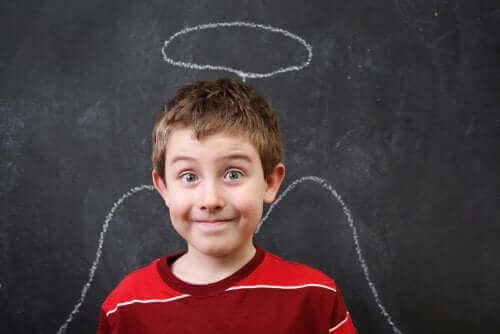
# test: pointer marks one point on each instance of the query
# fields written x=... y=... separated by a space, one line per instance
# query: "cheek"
x=178 y=217
x=249 y=205
x=178 y=206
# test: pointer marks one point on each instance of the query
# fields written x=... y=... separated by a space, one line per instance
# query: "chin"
x=217 y=249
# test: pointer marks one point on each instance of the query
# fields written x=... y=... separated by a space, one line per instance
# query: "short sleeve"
x=341 y=322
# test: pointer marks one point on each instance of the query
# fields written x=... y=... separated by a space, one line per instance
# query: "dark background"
x=398 y=111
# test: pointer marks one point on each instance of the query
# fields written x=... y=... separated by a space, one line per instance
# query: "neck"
x=197 y=268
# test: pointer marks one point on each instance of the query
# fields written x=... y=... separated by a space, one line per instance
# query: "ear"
x=273 y=182
x=160 y=186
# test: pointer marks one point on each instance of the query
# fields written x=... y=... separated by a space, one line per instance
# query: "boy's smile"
x=215 y=190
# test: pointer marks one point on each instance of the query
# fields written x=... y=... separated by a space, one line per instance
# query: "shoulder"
x=140 y=285
x=276 y=271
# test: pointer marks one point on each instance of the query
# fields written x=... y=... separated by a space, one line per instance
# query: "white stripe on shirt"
x=285 y=287
x=259 y=286
x=339 y=324
x=147 y=301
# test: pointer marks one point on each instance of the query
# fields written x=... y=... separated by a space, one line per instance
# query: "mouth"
x=212 y=221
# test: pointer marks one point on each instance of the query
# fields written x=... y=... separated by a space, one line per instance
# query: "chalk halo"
x=242 y=74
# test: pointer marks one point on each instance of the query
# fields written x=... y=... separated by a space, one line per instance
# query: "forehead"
x=182 y=142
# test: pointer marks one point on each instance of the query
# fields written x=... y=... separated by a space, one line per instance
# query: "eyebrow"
x=234 y=156
x=181 y=158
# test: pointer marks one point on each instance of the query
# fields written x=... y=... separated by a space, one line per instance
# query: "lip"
x=213 y=223
x=208 y=222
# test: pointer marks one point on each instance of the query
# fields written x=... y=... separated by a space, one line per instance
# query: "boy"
x=217 y=158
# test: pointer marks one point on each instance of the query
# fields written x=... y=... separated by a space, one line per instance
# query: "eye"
x=188 y=177
x=233 y=175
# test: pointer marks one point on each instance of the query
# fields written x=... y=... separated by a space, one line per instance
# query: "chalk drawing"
x=97 y=258
x=322 y=182
x=243 y=75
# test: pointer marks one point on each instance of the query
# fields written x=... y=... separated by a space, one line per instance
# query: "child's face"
x=215 y=190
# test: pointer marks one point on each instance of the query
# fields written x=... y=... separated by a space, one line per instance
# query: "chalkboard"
x=390 y=117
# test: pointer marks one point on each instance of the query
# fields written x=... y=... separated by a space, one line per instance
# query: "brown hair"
x=209 y=107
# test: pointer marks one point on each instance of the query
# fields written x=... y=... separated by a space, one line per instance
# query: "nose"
x=211 y=197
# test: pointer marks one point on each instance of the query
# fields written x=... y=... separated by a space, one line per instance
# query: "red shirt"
x=267 y=295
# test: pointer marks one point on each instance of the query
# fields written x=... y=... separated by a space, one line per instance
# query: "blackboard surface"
x=396 y=116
